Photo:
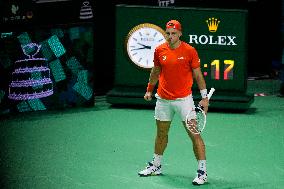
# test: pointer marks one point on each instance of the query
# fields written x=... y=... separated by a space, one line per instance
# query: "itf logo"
x=165 y=3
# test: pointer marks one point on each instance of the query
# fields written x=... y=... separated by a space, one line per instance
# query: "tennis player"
x=176 y=65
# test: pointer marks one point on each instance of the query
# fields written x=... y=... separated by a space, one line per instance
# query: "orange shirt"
x=175 y=80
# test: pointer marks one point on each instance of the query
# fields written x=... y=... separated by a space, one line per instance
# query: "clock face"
x=141 y=42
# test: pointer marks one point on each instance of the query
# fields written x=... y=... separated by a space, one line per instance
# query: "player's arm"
x=153 y=79
x=197 y=74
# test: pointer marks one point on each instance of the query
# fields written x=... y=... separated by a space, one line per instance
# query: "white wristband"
x=203 y=93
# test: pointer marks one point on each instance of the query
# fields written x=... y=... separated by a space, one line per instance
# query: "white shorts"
x=166 y=109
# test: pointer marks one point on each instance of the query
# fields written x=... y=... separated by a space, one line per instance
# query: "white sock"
x=157 y=159
x=202 y=165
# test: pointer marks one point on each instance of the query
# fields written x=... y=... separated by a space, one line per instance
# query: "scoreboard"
x=218 y=35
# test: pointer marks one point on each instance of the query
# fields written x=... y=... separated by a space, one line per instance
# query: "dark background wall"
x=264 y=42
x=265 y=45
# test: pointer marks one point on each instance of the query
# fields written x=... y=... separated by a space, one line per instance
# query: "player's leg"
x=197 y=141
x=163 y=115
x=161 y=140
x=197 y=144
x=154 y=167
x=199 y=152
x=183 y=107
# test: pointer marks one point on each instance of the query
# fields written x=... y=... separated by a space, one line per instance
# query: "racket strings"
x=200 y=119
x=197 y=125
x=191 y=126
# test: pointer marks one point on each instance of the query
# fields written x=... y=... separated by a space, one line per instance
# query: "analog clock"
x=141 y=42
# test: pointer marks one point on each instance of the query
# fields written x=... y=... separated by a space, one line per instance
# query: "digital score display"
x=223 y=70
x=227 y=71
x=222 y=49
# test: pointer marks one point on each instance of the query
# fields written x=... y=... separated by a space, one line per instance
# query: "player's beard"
x=170 y=41
x=173 y=42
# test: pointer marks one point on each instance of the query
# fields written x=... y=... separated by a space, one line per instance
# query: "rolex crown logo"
x=213 y=24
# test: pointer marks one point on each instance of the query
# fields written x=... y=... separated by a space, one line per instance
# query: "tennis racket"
x=196 y=126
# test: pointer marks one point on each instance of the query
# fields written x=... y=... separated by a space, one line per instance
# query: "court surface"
x=104 y=147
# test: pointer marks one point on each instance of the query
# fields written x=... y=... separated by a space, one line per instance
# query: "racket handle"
x=210 y=93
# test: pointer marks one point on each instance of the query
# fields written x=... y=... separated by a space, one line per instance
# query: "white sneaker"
x=151 y=170
x=201 y=178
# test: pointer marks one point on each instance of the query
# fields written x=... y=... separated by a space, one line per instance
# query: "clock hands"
x=139 y=48
x=144 y=47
